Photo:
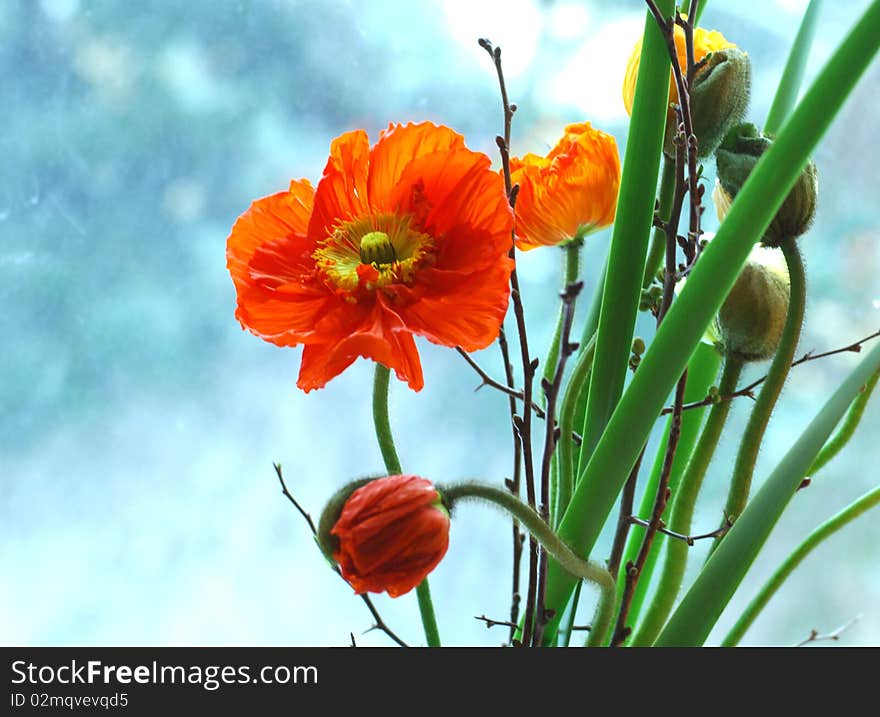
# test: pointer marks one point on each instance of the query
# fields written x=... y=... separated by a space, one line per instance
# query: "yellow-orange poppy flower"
x=570 y=192
x=410 y=236
x=705 y=41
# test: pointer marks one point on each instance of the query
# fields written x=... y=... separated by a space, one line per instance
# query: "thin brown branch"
x=689 y=539
x=816 y=636
x=551 y=436
x=854 y=347
x=379 y=623
x=634 y=571
x=529 y=366
x=508 y=390
x=625 y=514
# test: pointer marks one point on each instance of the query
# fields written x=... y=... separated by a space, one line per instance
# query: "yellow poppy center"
x=386 y=243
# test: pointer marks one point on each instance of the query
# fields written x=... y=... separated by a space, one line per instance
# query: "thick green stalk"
x=700 y=608
x=847 y=428
x=753 y=436
x=392 y=465
x=629 y=239
x=793 y=74
x=601 y=479
x=543 y=533
x=812 y=541
x=565 y=451
x=702 y=373
x=682 y=511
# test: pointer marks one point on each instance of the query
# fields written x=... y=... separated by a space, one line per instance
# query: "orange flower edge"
x=705 y=42
x=391 y=532
x=408 y=237
x=569 y=193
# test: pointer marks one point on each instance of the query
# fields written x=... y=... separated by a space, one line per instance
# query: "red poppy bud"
x=391 y=532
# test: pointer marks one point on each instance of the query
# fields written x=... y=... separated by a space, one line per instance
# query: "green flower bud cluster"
x=737 y=157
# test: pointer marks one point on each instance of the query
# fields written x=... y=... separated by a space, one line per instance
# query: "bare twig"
x=689 y=539
x=379 y=622
x=624 y=517
x=490 y=623
x=551 y=436
x=529 y=366
x=508 y=390
x=854 y=347
x=634 y=571
x=815 y=636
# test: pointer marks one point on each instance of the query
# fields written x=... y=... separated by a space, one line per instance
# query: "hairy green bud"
x=750 y=322
x=737 y=157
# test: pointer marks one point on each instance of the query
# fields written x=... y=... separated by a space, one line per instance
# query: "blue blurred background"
x=139 y=423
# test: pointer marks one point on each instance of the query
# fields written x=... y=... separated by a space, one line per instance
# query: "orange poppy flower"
x=705 y=41
x=410 y=236
x=390 y=534
x=570 y=192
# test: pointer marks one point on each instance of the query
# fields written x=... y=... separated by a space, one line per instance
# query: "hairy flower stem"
x=682 y=511
x=571 y=252
x=392 y=465
x=658 y=240
x=747 y=456
x=543 y=533
x=571 y=400
x=826 y=530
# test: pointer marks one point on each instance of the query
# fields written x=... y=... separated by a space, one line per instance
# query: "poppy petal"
x=341 y=194
x=398 y=146
x=464 y=311
x=383 y=338
x=284 y=214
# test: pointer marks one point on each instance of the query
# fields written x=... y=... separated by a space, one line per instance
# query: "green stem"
x=812 y=541
x=702 y=373
x=571 y=254
x=847 y=428
x=629 y=238
x=591 y=324
x=382 y=422
x=682 y=511
x=543 y=533
x=658 y=240
x=793 y=74
x=753 y=435
x=565 y=456
x=392 y=465
x=601 y=478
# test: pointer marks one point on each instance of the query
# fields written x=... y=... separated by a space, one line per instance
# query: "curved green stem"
x=392 y=465
x=567 y=412
x=847 y=428
x=543 y=533
x=753 y=435
x=682 y=511
x=827 y=529
x=381 y=421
